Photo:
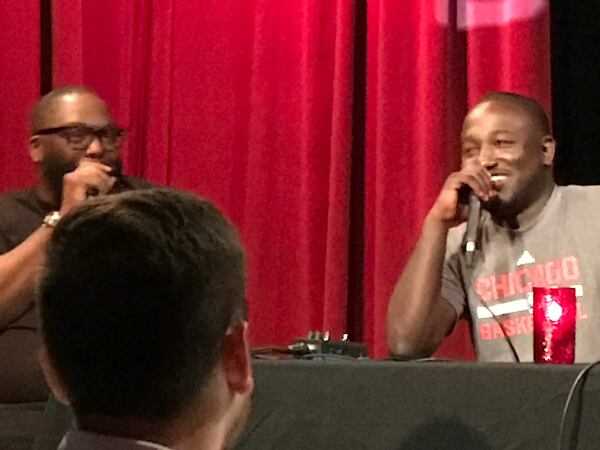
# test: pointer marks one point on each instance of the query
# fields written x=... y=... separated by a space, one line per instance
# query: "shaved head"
x=509 y=135
x=57 y=120
x=49 y=106
x=530 y=107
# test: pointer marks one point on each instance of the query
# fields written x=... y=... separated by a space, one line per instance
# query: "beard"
x=53 y=168
x=506 y=209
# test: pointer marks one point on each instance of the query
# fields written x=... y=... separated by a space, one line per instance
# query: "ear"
x=236 y=359
x=53 y=378
x=36 y=149
x=549 y=148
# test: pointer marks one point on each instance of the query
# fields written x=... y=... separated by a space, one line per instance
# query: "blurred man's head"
x=144 y=317
x=509 y=134
x=66 y=125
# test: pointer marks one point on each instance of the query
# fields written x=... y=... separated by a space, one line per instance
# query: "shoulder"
x=575 y=192
x=576 y=189
x=11 y=200
x=20 y=214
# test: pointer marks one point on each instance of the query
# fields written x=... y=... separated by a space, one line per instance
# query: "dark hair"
x=528 y=105
x=137 y=295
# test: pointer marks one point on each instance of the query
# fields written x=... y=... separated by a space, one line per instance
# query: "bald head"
x=65 y=126
x=530 y=107
x=51 y=109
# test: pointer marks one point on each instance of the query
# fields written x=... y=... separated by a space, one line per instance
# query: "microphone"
x=115 y=172
x=472 y=228
x=470 y=249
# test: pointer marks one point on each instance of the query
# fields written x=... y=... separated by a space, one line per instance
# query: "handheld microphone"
x=472 y=228
x=470 y=249
x=115 y=172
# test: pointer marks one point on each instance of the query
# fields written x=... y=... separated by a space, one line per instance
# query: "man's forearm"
x=19 y=269
x=417 y=321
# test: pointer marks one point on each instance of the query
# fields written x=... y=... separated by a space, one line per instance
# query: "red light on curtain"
x=554 y=312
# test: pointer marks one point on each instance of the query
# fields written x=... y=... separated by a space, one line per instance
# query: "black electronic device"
x=319 y=344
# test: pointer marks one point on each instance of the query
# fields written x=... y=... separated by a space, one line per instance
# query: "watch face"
x=52 y=219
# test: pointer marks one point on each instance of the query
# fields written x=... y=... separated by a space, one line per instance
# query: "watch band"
x=52 y=219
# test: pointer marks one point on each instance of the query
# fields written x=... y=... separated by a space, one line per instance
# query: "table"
x=351 y=405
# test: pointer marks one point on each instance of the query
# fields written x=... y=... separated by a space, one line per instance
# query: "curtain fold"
x=249 y=104
x=426 y=64
x=19 y=87
x=508 y=48
x=407 y=145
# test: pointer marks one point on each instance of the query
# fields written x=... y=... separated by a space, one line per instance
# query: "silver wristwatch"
x=52 y=219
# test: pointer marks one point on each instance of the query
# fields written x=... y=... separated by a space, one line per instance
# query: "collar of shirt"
x=84 y=440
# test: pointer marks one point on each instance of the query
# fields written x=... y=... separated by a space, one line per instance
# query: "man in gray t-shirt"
x=555 y=249
x=531 y=233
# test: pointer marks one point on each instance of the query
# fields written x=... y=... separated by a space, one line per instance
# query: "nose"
x=487 y=156
x=94 y=150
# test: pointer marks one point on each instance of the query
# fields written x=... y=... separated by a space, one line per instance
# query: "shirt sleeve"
x=15 y=223
x=6 y=243
x=453 y=289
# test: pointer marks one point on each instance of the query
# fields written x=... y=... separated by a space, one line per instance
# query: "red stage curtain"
x=248 y=103
x=426 y=62
x=19 y=87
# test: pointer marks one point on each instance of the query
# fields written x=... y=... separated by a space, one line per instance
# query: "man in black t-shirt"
x=74 y=146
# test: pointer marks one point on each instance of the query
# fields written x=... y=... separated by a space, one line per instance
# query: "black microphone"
x=115 y=172
x=470 y=249
x=472 y=228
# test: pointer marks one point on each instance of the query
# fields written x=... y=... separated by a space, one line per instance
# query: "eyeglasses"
x=81 y=136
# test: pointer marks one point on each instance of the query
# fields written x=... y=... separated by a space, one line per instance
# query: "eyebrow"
x=74 y=124
x=82 y=124
x=469 y=138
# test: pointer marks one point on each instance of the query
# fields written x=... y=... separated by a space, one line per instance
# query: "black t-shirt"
x=21 y=213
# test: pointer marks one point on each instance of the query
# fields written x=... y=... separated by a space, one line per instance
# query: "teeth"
x=496 y=178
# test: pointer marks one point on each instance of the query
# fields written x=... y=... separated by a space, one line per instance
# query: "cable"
x=495 y=317
x=267 y=350
x=331 y=356
x=271 y=353
x=470 y=265
x=581 y=378
x=430 y=359
x=272 y=356
x=506 y=337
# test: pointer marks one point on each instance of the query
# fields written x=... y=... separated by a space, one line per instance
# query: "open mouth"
x=498 y=180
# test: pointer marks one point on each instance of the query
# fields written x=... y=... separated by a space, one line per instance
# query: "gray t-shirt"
x=560 y=248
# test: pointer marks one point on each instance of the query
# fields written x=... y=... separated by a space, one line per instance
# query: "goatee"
x=53 y=170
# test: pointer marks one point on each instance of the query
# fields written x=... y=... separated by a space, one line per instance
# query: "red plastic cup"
x=554 y=313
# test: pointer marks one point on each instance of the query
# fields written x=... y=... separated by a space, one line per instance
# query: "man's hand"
x=89 y=175
x=447 y=207
x=418 y=318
